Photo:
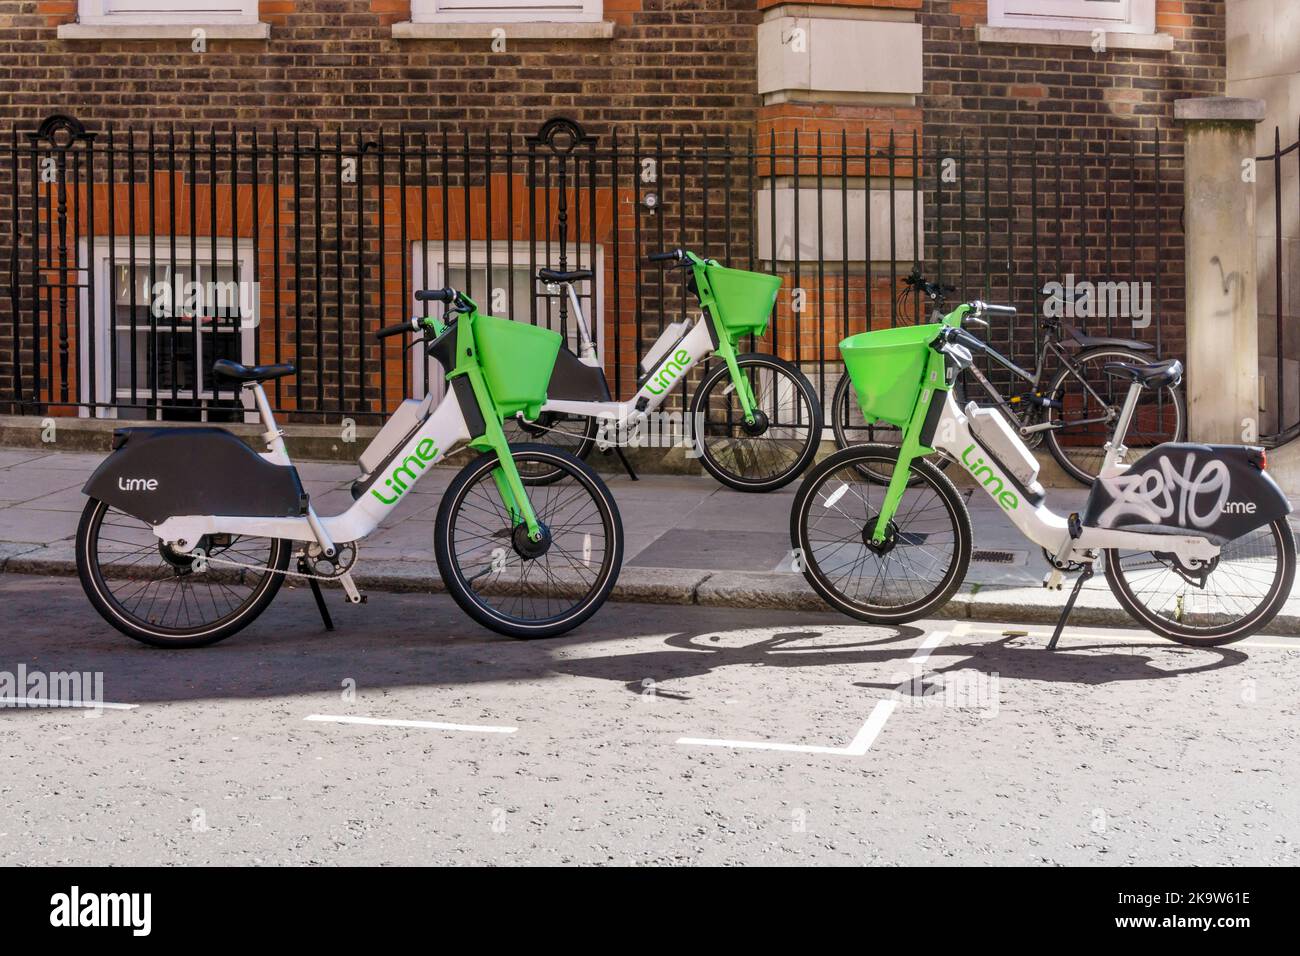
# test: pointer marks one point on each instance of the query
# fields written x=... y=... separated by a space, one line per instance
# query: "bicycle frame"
x=700 y=343
x=1050 y=344
x=1060 y=536
x=466 y=414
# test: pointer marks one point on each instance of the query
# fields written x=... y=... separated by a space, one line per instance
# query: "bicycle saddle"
x=552 y=275
x=1154 y=375
x=250 y=373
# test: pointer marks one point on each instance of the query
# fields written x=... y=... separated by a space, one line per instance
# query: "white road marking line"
x=425 y=724
x=40 y=703
x=864 y=738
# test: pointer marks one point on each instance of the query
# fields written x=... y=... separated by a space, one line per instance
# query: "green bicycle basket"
x=742 y=300
x=887 y=369
x=517 y=360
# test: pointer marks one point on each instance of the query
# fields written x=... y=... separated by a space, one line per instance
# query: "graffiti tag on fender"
x=1157 y=495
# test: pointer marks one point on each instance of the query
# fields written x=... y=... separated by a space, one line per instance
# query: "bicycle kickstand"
x=1084 y=575
x=316 y=593
x=627 y=465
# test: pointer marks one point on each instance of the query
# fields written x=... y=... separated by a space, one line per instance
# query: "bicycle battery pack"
x=996 y=435
x=668 y=338
x=1218 y=491
x=157 y=473
x=409 y=416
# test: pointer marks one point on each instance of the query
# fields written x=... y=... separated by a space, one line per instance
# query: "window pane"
x=165 y=352
x=544 y=310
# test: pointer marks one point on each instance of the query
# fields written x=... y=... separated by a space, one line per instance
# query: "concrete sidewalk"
x=689 y=541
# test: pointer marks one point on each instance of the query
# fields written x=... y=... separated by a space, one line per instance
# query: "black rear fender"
x=157 y=473
x=1219 y=491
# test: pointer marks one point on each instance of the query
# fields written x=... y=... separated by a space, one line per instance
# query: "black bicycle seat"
x=1154 y=375
x=250 y=373
x=551 y=275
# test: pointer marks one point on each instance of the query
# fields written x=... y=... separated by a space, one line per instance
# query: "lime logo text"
x=669 y=372
x=137 y=484
x=987 y=476
x=408 y=472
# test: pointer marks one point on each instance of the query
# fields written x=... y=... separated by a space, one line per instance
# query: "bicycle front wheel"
x=923 y=559
x=1242 y=590
x=506 y=581
x=778 y=446
x=1090 y=402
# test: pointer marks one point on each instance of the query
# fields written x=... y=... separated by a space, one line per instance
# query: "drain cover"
x=995 y=557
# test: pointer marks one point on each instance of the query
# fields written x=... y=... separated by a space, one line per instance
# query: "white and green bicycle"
x=188 y=533
x=755 y=420
x=1195 y=538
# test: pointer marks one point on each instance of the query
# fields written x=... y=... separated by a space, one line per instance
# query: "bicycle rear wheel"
x=1243 y=590
x=163 y=597
x=922 y=561
x=1087 y=413
x=511 y=584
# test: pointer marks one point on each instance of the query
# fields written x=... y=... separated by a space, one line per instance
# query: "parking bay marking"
x=864 y=738
x=40 y=703
x=421 y=724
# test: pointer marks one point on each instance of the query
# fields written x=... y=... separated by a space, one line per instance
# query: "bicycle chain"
x=208 y=559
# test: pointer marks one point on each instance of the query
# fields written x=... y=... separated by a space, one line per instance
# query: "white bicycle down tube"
x=441 y=433
x=1040 y=524
x=696 y=345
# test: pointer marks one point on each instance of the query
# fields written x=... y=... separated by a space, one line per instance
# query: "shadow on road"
x=698 y=654
x=413 y=640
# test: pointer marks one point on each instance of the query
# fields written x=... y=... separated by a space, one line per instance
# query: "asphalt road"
x=655 y=734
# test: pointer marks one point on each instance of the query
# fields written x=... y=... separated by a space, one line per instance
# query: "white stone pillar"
x=1222 y=383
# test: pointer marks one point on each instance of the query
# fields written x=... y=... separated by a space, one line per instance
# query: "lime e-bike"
x=755 y=420
x=1195 y=538
x=1070 y=413
x=189 y=534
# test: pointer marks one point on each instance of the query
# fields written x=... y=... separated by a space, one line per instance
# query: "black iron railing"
x=325 y=237
x=1281 y=383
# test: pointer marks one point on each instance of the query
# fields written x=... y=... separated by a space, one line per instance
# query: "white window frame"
x=99 y=314
x=163 y=12
x=1130 y=16
x=506 y=11
x=594 y=305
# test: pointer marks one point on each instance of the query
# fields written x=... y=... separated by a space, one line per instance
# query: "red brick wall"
x=671 y=66
x=1094 y=117
x=1059 y=91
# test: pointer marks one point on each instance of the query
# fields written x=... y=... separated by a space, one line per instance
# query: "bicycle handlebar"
x=389 y=330
x=935 y=290
x=436 y=295
x=953 y=335
x=677 y=255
